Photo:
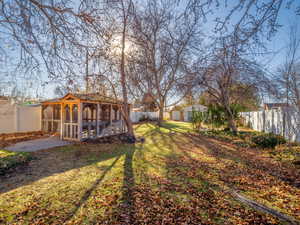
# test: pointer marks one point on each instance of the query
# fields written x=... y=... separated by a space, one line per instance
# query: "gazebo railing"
x=70 y=131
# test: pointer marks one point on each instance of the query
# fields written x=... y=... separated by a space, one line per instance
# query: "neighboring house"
x=270 y=106
x=136 y=107
x=146 y=104
x=149 y=104
x=185 y=114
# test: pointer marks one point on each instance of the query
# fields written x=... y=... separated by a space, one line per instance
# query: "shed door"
x=181 y=116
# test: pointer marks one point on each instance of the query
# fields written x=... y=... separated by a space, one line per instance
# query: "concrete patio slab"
x=37 y=144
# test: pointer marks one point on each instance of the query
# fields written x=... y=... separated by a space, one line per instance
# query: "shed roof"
x=91 y=97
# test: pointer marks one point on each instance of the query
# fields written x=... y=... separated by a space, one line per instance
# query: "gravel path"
x=38 y=144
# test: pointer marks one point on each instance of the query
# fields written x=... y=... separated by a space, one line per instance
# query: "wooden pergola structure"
x=83 y=116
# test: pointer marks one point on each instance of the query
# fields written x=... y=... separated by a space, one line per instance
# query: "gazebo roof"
x=91 y=97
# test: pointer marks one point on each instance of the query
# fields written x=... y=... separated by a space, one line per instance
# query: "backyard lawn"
x=173 y=177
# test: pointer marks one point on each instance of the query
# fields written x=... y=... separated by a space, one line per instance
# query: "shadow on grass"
x=215 y=148
x=183 y=195
x=181 y=171
x=198 y=179
x=248 y=159
x=89 y=191
x=126 y=209
x=61 y=160
x=177 y=126
x=58 y=160
x=190 y=181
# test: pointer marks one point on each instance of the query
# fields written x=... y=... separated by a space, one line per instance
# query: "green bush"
x=268 y=140
x=198 y=118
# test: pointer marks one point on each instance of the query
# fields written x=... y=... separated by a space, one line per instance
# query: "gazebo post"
x=42 y=122
x=89 y=119
x=52 y=118
x=97 y=120
x=110 y=114
x=79 y=121
x=71 y=121
x=61 y=120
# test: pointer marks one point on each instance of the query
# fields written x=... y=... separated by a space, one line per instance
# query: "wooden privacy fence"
x=284 y=121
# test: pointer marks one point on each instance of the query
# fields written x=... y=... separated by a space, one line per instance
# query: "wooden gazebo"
x=83 y=116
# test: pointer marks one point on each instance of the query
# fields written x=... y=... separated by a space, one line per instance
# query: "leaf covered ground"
x=174 y=177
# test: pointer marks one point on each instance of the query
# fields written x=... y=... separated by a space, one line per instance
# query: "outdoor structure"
x=186 y=113
x=146 y=104
x=16 y=118
x=83 y=116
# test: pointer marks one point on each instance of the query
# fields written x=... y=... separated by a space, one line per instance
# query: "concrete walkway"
x=37 y=144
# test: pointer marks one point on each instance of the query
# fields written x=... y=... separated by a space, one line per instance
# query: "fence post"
x=264 y=121
x=283 y=122
x=16 y=118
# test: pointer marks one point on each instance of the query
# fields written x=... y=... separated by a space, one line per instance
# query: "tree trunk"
x=161 y=115
x=128 y=121
x=229 y=114
x=232 y=125
x=126 y=107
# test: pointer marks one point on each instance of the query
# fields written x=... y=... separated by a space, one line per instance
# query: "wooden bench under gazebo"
x=83 y=116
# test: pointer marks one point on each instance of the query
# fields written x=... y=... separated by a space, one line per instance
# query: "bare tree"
x=253 y=20
x=166 y=38
x=288 y=75
x=287 y=82
x=238 y=37
x=117 y=16
x=126 y=9
x=227 y=68
x=54 y=36
x=42 y=39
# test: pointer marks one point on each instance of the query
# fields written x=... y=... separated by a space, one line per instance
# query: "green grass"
x=9 y=160
x=171 y=178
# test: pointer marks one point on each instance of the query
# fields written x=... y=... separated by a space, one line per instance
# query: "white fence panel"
x=136 y=116
x=283 y=122
x=14 y=118
x=7 y=118
x=29 y=118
